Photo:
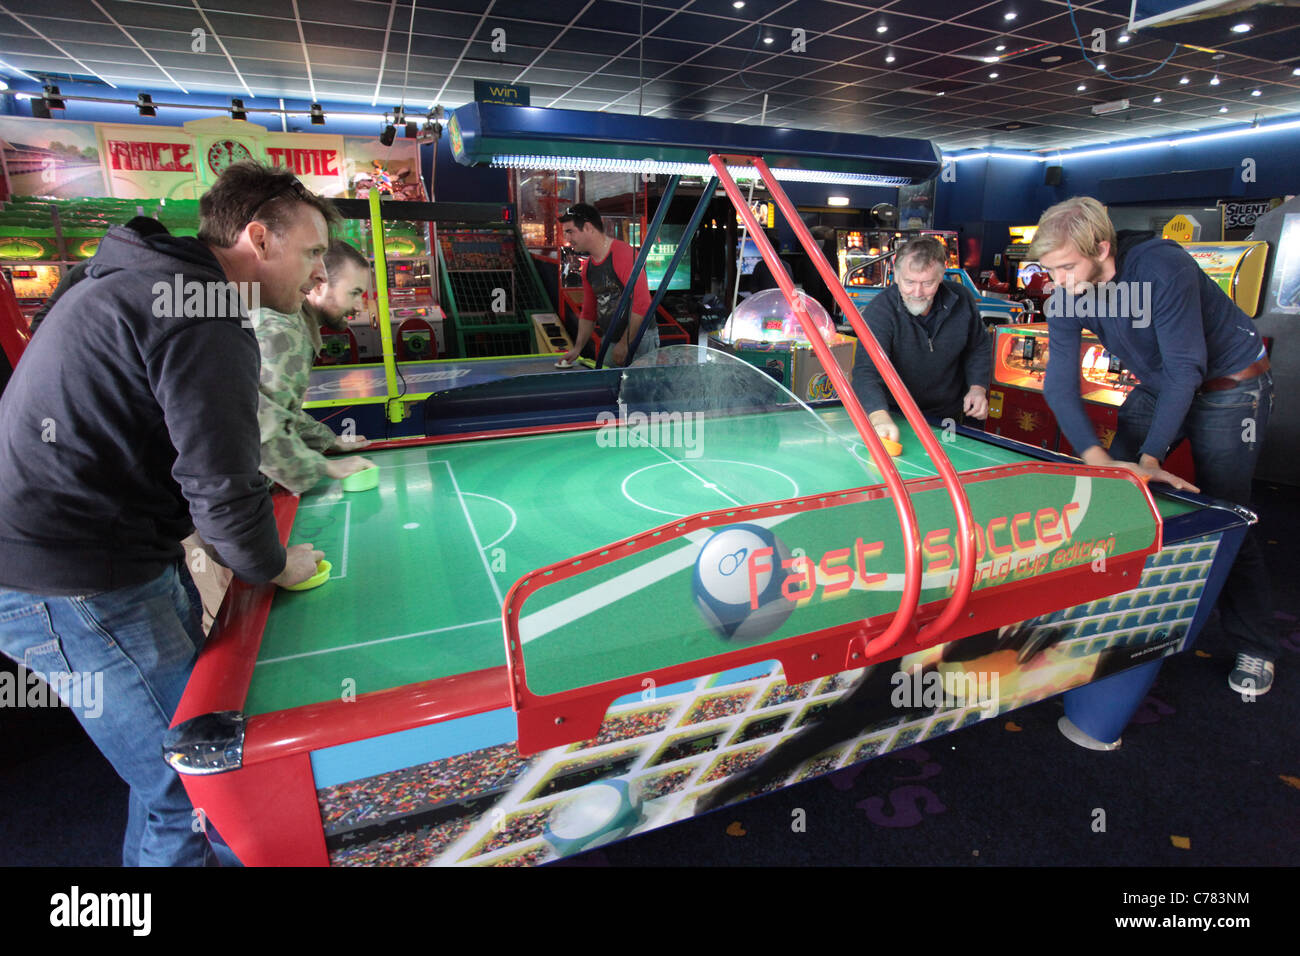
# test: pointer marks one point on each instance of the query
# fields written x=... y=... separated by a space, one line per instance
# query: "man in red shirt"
x=604 y=276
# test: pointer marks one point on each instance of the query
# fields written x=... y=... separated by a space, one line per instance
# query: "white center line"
x=381 y=640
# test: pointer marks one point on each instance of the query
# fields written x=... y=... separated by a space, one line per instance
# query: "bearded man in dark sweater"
x=131 y=421
x=931 y=330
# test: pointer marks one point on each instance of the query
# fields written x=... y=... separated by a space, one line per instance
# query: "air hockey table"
x=361 y=391
x=528 y=645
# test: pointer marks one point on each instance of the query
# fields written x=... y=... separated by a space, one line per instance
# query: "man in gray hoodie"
x=932 y=332
x=130 y=422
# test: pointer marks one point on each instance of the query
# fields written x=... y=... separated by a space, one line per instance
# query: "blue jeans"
x=649 y=341
x=1226 y=430
x=137 y=646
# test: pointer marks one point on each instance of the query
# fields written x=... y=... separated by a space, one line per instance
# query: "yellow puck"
x=322 y=575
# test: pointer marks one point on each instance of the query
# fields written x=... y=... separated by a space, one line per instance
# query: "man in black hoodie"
x=931 y=330
x=130 y=422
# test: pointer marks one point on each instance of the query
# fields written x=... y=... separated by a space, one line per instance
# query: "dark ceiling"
x=698 y=59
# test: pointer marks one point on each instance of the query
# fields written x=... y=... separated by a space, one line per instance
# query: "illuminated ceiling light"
x=988 y=155
x=3 y=84
x=1296 y=71
x=1185 y=141
x=1081 y=87
x=837 y=200
x=739 y=4
x=940 y=93
x=1214 y=81
x=1241 y=28
x=991 y=59
x=1008 y=16
x=993 y=76
x=1101 y=66
x=882 y=29
x=1000 y=47
x=670 y=167
x=1223 y=109
x=1184 y=81
x=768 y=40
x=890 y=58
x=1255 y=93
x=1051 y=59
x=1124 y=38
x=1158 y=99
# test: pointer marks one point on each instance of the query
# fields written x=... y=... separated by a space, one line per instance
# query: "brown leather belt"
x=1254 y=370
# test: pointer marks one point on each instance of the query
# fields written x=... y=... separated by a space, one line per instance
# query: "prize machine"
x=764 y=331
x=1017 y=407
x=417 y=321
x=41 y=238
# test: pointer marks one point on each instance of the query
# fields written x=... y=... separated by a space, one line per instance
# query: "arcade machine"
x=416 y=321
x=866 y=256
x=32 y=284
x=1018 y=409
x=771 y=338
x=490 y=287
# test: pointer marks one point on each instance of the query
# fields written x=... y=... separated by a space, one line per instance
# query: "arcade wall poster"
x=70 y=160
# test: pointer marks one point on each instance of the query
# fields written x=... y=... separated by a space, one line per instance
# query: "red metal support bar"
x=904 y=619
x=933 y=633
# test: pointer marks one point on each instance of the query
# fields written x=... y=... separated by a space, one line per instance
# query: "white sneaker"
x=1251 y=676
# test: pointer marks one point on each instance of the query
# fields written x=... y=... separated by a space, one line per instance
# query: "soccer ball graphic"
x=722 y=582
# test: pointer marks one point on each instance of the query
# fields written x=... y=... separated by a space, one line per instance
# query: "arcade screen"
x=1026 y=272
x=661 y=254
x=749 y=257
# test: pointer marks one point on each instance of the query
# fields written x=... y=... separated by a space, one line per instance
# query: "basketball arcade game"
x=634 y=685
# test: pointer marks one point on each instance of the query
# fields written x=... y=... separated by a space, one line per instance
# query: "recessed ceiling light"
x=1124 y=38
x=1223 y=109
x=1000 y=47
x=1050 y=59
x=1008 y=16
x=882 y=29
x=1241 y=28
x=1214 y=81
x=940 y=93
x=1296 y=71
x=739 y=4
x=1217 y=56
x=1081 y=87
x=1158 y=99
x=890 y=58
x=767 y=40
x=993 y=76
x=1184 y=81
x=1101 y=66
x=1255 y=93
x=837 y=200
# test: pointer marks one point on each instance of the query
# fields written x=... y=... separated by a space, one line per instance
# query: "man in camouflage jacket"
x=294 y=443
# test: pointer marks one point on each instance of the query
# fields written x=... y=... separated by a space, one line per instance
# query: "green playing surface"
x=421 y=564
